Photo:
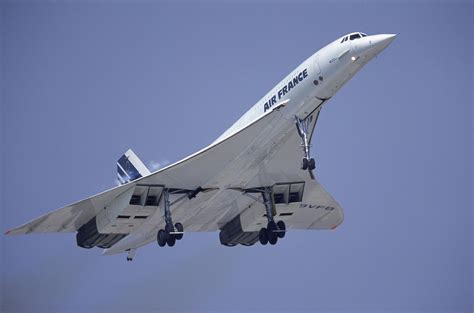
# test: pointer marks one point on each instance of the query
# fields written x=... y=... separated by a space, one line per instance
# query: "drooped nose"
x=377 y=43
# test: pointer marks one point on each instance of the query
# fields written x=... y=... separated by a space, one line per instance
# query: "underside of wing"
x=300 y=200
x=205 y=192
x=135 y=206
x=71 y=217
x=317 y=208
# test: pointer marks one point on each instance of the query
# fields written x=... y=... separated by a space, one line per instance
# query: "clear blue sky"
x=83 y=82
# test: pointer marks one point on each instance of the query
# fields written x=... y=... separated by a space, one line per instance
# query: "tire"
x=312 y=164
x=271 y=226
x=273 y=239
x=161 y=238
x=304 y=164
x=179 y=228
x=263 y=236
x=272 y=236
x=281 y=226
x=171 y=240
x=169 y=228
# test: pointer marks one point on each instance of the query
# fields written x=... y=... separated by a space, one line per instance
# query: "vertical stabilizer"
x=130 y=167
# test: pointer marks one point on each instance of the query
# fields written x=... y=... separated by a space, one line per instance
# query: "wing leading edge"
x=189 y=173
x=209 y=169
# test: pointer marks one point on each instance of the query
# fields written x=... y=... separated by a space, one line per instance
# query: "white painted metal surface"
x=261 y=149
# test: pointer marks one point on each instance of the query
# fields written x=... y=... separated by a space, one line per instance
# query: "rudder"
x=130 y=167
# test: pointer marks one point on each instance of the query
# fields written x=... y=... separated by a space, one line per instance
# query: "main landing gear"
x=172 y=233
x=302 y=125
x=274 y=230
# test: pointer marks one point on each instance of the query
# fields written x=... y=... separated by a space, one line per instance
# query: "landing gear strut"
x=307 y=162
x=274 y=230
x=172 y=233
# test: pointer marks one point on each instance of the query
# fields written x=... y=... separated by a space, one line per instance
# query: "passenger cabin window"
x=355 y=36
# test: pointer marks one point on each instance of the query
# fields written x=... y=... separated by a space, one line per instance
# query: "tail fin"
x=130 y=167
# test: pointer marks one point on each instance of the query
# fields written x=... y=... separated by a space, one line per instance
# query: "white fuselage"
x=259 y=150
x=264 y=161
x=318 y=78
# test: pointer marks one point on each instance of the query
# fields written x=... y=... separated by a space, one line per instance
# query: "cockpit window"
x=354 y=36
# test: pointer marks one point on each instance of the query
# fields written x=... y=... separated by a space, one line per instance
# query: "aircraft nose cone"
x=380 y=42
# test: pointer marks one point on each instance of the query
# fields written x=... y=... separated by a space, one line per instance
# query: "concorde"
x=252 y=184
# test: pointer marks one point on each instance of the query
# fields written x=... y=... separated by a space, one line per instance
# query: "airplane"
x=248 y=184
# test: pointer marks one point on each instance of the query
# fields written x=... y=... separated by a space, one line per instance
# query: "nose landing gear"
x=302 y=125
x=308 y=163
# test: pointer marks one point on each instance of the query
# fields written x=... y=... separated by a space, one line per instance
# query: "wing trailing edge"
x=190 y=172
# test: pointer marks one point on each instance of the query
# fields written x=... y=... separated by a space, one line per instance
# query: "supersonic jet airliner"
x=249 y=184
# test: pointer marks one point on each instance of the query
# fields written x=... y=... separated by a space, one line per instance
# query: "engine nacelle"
x=88 y=236
x=232 y=234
